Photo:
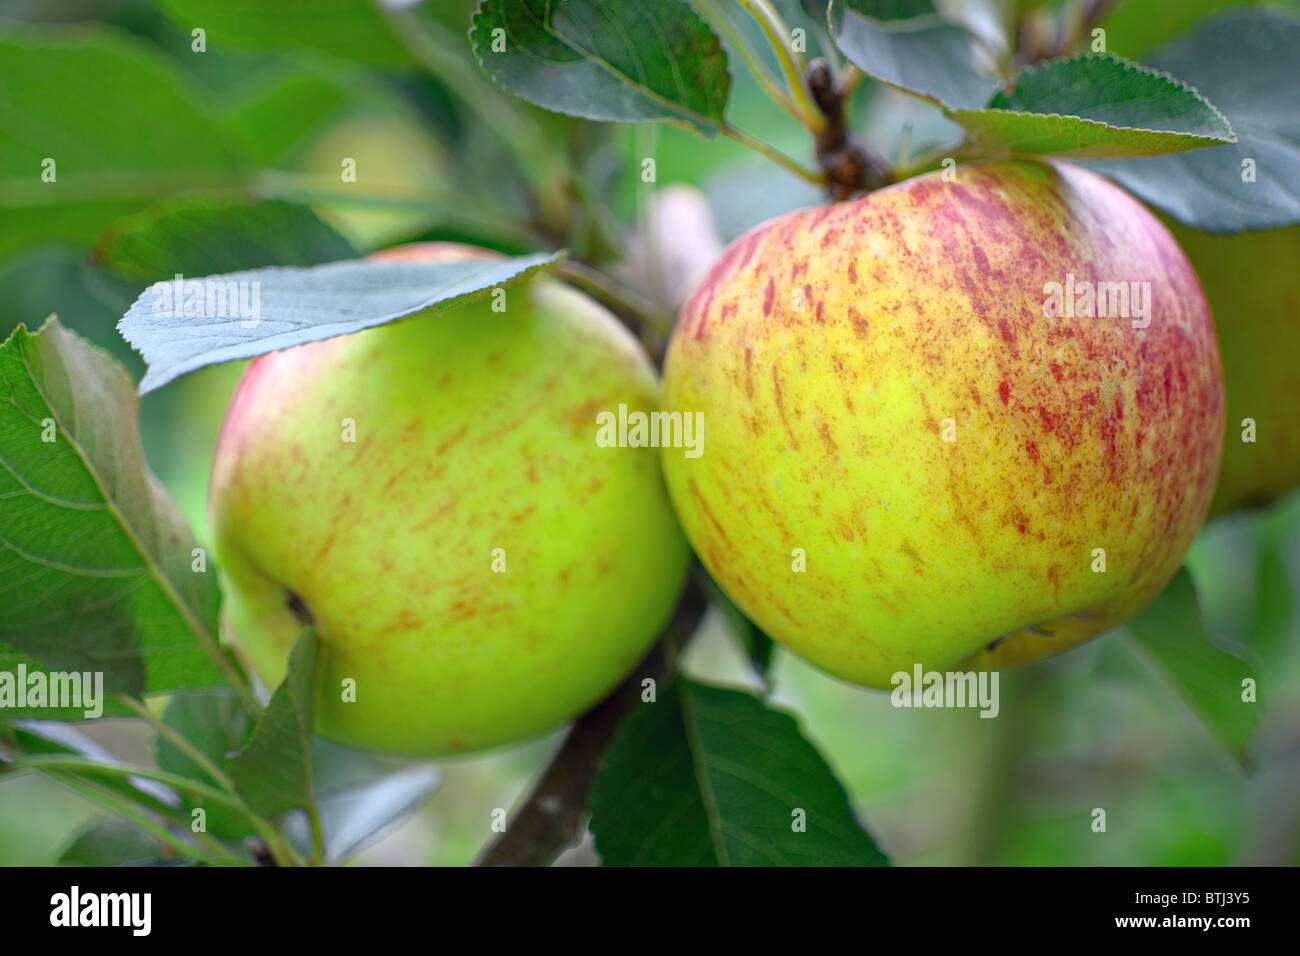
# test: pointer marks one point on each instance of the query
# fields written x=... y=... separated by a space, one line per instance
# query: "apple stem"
x=849 y=165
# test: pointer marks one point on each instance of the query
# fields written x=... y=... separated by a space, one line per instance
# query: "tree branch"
x=555 y=813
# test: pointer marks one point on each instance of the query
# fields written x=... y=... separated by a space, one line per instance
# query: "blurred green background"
x=1089 y=729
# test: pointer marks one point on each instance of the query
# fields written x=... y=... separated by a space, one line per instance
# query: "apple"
x=915 y=451
x=474 y=561
x=1252 y=282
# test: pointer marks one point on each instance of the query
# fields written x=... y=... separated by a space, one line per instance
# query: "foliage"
x=197 y=160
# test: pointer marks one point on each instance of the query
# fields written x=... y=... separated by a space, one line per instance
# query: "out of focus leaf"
x=111 y=843
x=1245 y=62
x=66 y=169
x=355 y=29
x=1173 y=643
x=202 y=237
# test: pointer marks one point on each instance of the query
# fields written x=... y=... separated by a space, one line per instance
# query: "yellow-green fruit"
x=906 y=460
x=474 y=561
x=1252 y=281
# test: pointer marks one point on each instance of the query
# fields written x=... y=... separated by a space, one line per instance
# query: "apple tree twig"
x=553 y=816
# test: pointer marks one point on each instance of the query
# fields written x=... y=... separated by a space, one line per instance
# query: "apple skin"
x=475 y=431
x=1252 y=282
x=924 y=302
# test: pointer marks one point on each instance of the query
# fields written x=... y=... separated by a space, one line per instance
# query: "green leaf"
x=922 y=55
x=707 y=777
x=1086 y=107
x=273 y=773
x=201 y=237
x=352 y=816
x=1096 y=106
x=1274 y=606
x=354 y=29
x=1246 y=63
x=60 y=280
x=612 y=60
x=1172 y=641
x=293 y=306
x=148 y=134
x=216 y=725
x=95 y=559
x=282 y=114
x=111 y=842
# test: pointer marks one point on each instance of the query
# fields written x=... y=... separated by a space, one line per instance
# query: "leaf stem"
x=140 y=709
x=792 y=64
x=755 y=66
x=613 y=294
x=317 y=835
x=82 y=765
x=123 y=808
x=774 y=154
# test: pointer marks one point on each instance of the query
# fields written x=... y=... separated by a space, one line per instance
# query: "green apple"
x=1252 y=282
x=476 y=566
x=915 y=452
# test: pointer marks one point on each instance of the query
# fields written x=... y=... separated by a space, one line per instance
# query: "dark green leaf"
x=293 y=306
x=215 y=724
x=111 y=842
x=614 y=60
x=95 y=560
x=707 y=776
x=148 y=134
x=202 y=237
x=273 y=773
x=1173 y=642
x=1095 y=106
x=88 y=701
x=1246 y=64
